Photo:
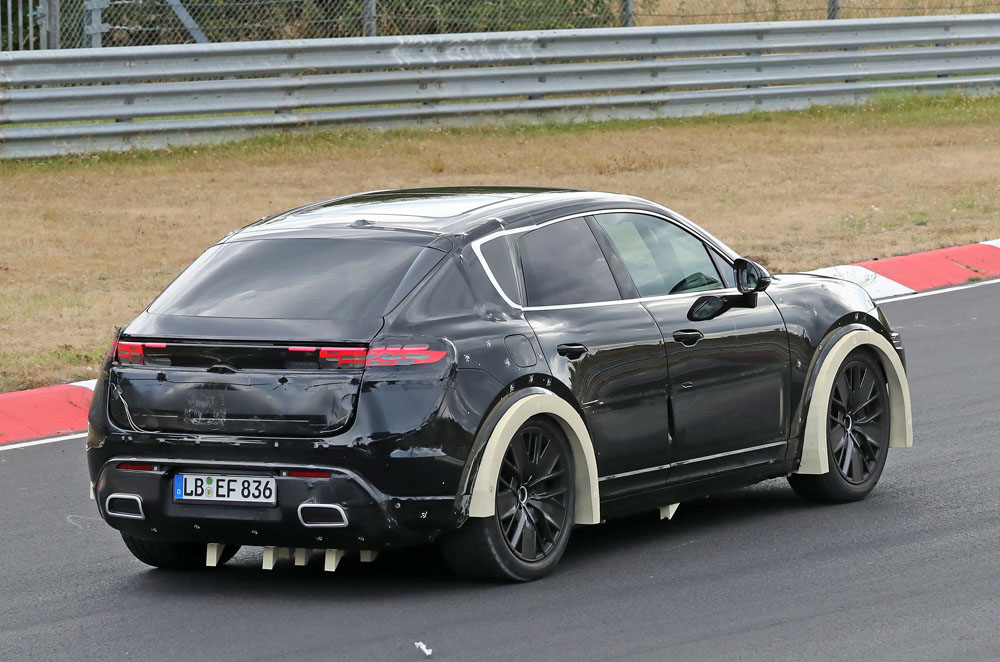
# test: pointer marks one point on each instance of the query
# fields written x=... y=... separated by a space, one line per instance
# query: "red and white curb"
x=44 y=415
x=918 y=272
x=57 y=413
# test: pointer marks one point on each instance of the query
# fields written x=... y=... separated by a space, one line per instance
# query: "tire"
x=528 y=533
x=857 y=438
x=174 y=555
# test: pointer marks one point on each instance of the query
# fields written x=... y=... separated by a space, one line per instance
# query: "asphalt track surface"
x=911 y=573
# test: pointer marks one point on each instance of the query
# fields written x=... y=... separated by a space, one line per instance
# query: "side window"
x=497 y=255
x=562 y=263
x=661 y=257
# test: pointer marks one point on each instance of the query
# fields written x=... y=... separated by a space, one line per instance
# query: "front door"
x=729 y=376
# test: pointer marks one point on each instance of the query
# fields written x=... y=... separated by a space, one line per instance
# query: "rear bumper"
x=374 y=520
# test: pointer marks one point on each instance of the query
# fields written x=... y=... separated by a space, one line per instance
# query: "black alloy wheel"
x=533 y=493
x=858 y=416
x=535 y=509
x=857 y=421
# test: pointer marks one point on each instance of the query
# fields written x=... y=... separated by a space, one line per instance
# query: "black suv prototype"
x=482 y=367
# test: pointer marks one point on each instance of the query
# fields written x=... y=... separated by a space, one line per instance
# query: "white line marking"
x=994 y=242
x=87 y=383
x=39 y=442
x=944 y=290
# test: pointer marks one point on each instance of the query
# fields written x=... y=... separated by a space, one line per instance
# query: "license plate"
x=225 y=489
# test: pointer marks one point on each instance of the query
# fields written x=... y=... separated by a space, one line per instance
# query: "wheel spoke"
x=507 y=482
x=551 y=513
x=529 y=542
x=548 y=495
x=856 y=467
x=841 y=389
x=547 y=461
x=537 y=441
x=870 y=418
x=506 y=505
x=520 y=520
x=519 y=456
x=840 y=444
x=864 y=390
x=846 y=462
x=857 y=410
x=868 y=442
x=552 y=476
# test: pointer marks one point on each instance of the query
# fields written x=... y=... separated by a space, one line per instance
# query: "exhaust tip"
x=128 y=506
x=322 y=515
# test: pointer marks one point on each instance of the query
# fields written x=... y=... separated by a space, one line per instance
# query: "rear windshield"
x=297 y=279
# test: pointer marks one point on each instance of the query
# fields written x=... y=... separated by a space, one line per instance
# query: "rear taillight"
x=405 y=355
x=343 y=357
x=357 y=357
x=130 y=352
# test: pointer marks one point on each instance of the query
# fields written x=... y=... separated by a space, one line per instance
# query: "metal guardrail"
x=85 y=100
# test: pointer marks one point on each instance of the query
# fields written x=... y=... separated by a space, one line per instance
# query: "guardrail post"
x=92 y=26
x=627 y=14
x=369 y=18
x=832 y=9
x=47 y=17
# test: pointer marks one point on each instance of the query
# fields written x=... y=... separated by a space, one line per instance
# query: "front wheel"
x=535 y=502
x=173 y=555
x=857 y=434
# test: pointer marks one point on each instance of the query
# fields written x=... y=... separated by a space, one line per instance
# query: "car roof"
x=461 y=213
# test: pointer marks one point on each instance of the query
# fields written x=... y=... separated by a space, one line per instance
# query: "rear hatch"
x=264 y=337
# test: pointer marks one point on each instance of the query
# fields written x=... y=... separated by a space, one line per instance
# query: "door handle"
x=572 y=351
x=688 y=337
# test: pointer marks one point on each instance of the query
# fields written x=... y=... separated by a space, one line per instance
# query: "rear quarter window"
x=296 y=279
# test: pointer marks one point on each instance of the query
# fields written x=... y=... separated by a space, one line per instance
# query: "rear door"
x=729 y=376
x=608 y=351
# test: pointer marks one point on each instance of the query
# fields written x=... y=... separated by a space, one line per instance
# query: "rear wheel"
x=857 y=434
x=535 y=501
x=173 y=555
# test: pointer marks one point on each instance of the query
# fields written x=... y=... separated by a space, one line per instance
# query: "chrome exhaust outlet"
x=322 y=516
x=127 y=506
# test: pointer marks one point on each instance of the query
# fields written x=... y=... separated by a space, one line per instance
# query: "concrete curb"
x=61 y=410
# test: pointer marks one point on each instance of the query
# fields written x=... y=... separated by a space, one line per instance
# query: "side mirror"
x=750 y=276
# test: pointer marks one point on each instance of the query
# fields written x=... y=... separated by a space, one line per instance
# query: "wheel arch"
x=510 y=415
x=814 y=458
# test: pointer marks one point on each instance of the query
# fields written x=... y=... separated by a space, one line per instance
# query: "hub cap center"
x=848 y=422
x=522 y=494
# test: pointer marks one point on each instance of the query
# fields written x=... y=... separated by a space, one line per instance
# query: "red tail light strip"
x=339 y=357
x=410 y=355
x=130 y=352
x=135 y=466
x=309 y=474
x=356 y=357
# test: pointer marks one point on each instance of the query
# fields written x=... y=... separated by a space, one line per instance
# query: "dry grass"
x=89 y=241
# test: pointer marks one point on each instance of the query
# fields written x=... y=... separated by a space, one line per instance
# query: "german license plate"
x=225 y=489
